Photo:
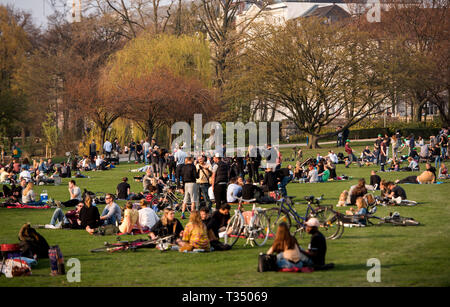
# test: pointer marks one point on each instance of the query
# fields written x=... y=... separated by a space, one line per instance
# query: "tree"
x=313 y=73
x=146 y=79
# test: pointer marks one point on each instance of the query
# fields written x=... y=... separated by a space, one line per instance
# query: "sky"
x=39 y=9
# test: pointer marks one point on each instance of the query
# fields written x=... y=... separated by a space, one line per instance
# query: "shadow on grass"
x=353 y=267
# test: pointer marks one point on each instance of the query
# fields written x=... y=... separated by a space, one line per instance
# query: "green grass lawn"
x=409 y=256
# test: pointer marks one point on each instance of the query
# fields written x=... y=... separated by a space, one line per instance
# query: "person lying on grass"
x=426 y=177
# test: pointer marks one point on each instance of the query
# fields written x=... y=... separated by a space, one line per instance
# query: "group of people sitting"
x=321 y=169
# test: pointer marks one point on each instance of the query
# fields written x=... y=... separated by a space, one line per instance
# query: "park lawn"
x=409 y=256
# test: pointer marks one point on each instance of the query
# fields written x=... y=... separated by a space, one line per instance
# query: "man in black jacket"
x=189 y=174
x=220 y=178
x=270 y=181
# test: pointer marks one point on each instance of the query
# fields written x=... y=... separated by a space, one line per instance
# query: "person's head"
x=249 y=181
x=129 y=205
x=391 y=185
x=109 y=198
x=23 y=182
x=217 y=158
x=195 y=219
x=168 y=216
x=233 y=180
x=125 y=179
x=143 y=203
x=204 y=212
x=361 y=182
x=88 y=201
x=283 y=239
x=188 y=160
x=72 y=183
x=373 y=172
x=80 y=206
x=312 y=225
x=360 y=203
x=28 y=188
x=225 y=209
x=152 y=189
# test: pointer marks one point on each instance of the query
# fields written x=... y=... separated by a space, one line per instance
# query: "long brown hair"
x=283 y=239
x=196 y=220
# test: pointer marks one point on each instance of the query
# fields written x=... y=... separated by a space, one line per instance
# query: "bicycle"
x=370 y=219
x=253 y=226
x=131 y=245
x=328 y=218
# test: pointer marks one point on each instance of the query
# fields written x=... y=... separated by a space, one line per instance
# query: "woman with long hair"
x=28 y=196
x=288 y=251
x=359 y=191
x=167 y=225
x=195 y=235
x=130 y=219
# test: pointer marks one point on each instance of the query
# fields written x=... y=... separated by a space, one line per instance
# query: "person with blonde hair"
x=28 y=196
x=195 y=234
x=167 y=225
x=130 y=219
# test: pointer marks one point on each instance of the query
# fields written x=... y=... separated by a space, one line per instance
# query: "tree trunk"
x=313 y=141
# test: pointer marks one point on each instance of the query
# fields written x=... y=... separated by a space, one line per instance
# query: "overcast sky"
x=40 y=9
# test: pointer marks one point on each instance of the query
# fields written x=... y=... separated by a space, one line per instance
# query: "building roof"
x=327 y=11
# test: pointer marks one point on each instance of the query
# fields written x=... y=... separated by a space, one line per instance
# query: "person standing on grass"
x=92 y=149
x=383 y=154
x=219 y=179
x=180 y=157
x=146 y=147
x=190 y=175
x=75 y=195
x=111 y=214
x=132 y=150
x=204 y=174
x=107 y=149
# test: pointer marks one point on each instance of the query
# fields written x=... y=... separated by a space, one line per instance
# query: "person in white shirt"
x=233 y=191
x=147 y=216
x=333 y=157
x=107 y=147
x=26 y=175
x=146 y=147
x=313 y=175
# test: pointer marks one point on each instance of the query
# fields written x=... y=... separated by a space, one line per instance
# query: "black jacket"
x=189 y=173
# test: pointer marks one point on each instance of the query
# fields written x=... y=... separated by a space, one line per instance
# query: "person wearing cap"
x=317 y=247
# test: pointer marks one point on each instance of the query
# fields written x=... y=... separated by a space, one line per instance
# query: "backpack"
x=107 y=230
x=56 y=261
x=267 y=262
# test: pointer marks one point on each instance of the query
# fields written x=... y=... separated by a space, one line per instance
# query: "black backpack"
x=267 y=262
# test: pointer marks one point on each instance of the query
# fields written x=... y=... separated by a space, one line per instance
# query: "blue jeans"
x=283 y=184
x=283 y=263
x=437 y=162
x=444 y=152
x=203 y=187
x=58 y=215
x=109 y=221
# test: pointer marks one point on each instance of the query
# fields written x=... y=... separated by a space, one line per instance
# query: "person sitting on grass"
x=375 y=180
x=111 y=214
x=147 y=216
x=123 y=189
x=323 y=177
x=75 y=195
x=443 y=172
x=358 y=191
x=195 y=234
x=166 y=226
x=396 y=191
x=313 y=176
x=289 y=254
x=360 y=211
x=219 y=220
x=28 y=196
x=130 y=219
x=89 y=216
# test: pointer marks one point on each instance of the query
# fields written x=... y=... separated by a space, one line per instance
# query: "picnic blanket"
x=21 y=206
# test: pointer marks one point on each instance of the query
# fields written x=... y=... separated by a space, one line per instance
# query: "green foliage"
x=50 y=130
x=183 y=55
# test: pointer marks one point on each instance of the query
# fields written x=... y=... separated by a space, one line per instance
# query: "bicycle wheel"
x=329 y=223
x=260 y=229
x=277 y=216
x=234 y=230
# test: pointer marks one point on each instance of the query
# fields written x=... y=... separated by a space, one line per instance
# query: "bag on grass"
x=267 y=262
x=56 y=261
x=107 y=230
